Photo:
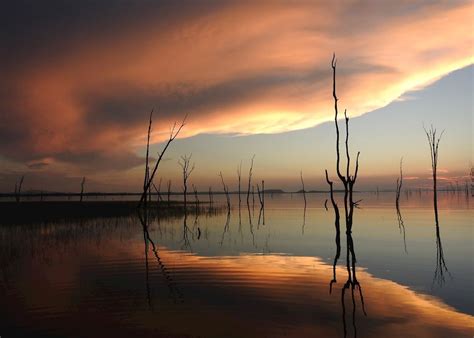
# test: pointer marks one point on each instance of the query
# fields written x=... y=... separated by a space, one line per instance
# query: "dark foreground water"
x=245 y=274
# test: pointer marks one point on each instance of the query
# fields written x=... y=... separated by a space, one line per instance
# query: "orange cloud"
x=235 y=68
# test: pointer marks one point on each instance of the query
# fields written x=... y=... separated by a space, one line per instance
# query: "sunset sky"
x=79 y=79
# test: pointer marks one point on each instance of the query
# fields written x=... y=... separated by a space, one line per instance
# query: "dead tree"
x=433 y=141
x=187 y=169
x=441 y=267
x=149 y=177
x=196 y=199
x=338 y=230
x=250 y=178
x=226 y=191
x=399 y=184
x=304 y=191
x=348 y=182
x=159 y=198
x=263 y=194
x=239 y=177
x=18 y=186
x=82 y=188
x=347 y=179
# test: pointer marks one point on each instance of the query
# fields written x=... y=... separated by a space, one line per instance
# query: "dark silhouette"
x=348 y=181
x=441 y=268
x=82 y=188
x=187 y=169
x=174 y=291
x=239 y=177
x=399 y=185
x=250 y=178
x=226 y=227
x=226 y=191
x=18 y=186
x=304 y=191
x=401 y=225
x=149 y=177
x=433 y=141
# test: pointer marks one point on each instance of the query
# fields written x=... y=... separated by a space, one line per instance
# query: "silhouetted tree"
x=433 y=141
x=149 y=176
x=196 y=199
x=399 y=184
x=304 y=191
x=347 y=179
x=187 y=169
x=239 y=177
x=82 y=187
x=226 y=191
x=18 y=186
x=250 y=178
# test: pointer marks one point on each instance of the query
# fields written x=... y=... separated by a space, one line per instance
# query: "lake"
x=244 y=273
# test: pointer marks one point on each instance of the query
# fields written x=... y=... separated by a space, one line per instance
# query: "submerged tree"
x=250 y=178
x=433 y=141
x=239 y=178
x=226 y=191
x=187 y=169
x=18 y=186
x=347 y=179
x=441 y=268
x=348 y=182
x=399 y=185
x=83 y=182
x=149 y=175
x=302 y=184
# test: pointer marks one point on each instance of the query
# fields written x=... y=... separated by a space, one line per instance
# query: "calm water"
x=245 y=274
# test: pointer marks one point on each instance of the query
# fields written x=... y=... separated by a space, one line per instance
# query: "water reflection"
x=97 y=272
x=352 y=283
x=441 y=269
x=401 y=227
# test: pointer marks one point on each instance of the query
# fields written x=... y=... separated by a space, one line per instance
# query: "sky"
x=79 y=80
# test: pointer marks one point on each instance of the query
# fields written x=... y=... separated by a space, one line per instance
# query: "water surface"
x=246 y=273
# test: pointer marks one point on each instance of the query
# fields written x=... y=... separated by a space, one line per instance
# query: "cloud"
x=79 y=82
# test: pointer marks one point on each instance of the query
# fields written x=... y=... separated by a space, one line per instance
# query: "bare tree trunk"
x=250 y=179
x=226 y=191
x=82 y=188
x=348 y=182
x=149 y=177
x=304 y=191
x=433 y=141
x=18 y=186
x=399 y=184
x=187 y=169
